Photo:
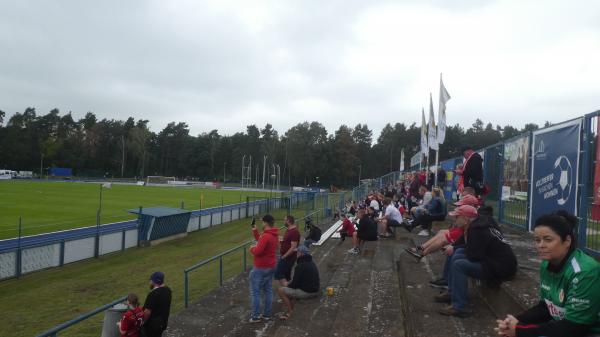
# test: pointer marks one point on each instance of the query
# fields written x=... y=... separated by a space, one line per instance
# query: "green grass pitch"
x=47 y=206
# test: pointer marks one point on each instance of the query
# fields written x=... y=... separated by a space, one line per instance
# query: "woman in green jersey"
x=569 y=293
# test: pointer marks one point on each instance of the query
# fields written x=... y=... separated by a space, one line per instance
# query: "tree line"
x=306 y=153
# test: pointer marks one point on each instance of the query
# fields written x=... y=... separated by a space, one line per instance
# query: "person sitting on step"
x=443 y=237
x=569 y=302
x=305 y=282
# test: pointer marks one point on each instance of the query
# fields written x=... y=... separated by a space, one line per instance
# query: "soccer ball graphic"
x=563 y=168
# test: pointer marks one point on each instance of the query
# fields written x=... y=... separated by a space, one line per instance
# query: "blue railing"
x=243 y=246
x=54 y=331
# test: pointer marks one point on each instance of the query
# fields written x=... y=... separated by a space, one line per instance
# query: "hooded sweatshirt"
x=265 y=250
x=484 y=243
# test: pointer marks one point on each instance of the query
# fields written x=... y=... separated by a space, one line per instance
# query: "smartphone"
x=253 y=222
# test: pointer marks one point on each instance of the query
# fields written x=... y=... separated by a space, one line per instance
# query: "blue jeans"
x=458 y=278
x=261 y=280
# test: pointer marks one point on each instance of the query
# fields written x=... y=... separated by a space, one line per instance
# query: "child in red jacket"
x=130 y=324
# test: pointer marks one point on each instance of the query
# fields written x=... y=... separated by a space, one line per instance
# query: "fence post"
x=123 y=241
x=221 y=270
x=584 y=182
x=19 y=250
x=97 y=243
x=529 y=168
x=182 y=204
x=185 y=288
x=500 y=185
x=240 y=208
x=221 y=209
x=61 y=258
x=139 y=224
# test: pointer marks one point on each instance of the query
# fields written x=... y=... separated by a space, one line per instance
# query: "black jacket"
x=306 y=275
x=484 y=243
x=367 y=228
x=473 y=173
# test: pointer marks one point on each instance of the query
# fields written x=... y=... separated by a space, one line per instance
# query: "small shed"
x=157 y=223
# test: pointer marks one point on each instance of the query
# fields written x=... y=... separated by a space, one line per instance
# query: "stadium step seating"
x=366 y=301
x=381 y=292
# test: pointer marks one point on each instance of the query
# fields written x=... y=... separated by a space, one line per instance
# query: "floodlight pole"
x=243 y=163
x=264 y=167
x=359 y=173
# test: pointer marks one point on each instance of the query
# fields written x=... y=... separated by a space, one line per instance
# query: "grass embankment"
x=41 y=300
x=52 y=206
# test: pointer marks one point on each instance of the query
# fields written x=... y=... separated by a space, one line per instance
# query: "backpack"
x=314 y=233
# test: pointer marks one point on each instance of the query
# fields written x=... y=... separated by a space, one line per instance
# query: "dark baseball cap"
x=157 y=277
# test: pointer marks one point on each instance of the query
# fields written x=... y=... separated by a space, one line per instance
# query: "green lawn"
x=52 y=206
x=41 y=300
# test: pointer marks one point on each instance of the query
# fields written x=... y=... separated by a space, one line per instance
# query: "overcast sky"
x=226 y=64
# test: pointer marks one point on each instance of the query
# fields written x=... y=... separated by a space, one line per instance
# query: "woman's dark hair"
x=269 y=219
x=561 y=222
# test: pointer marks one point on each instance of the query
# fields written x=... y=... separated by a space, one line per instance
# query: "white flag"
x=107 y=185
x=444 y=97
x=433 y=144
x=424 y=148
x=402 y=160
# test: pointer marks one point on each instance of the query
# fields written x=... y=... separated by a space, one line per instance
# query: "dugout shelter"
x=158 y=223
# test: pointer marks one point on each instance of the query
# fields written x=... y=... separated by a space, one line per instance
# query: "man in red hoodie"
x=261 y=275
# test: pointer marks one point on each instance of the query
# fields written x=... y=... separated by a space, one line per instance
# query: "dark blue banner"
x=554 y=169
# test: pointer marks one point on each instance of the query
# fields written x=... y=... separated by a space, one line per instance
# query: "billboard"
x=554 y=169
x=515 y=175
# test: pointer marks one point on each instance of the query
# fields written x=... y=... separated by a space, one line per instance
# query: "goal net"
x=159 y=179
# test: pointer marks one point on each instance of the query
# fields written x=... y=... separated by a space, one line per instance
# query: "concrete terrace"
x=381 y=292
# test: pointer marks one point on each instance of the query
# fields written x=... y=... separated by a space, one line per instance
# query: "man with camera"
x=261 y=275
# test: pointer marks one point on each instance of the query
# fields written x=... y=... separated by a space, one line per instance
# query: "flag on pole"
x=107 y=185
x=432 y=133
x=424 y=148
x=402 y=160
x=444 y=97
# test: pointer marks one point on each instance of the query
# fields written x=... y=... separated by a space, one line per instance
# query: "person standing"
x=157 y=306
x=261 y=275
x=287 y=252
x=472 y=171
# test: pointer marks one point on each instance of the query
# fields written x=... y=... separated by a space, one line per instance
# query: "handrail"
x=54 y=331
x=220 y=258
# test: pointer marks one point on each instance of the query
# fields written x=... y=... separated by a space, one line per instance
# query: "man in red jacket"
x=261 y=275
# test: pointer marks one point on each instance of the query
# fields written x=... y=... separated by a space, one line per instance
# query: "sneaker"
x=439 y=283
x=424 y=232
x=442 y=297
x=414 y=252
x=353 y=251
x=265 y=318
x=254 y=320
x=451 y=311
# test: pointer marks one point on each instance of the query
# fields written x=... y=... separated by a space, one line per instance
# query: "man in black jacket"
x=472 y=171
x=483 y=254
x=305 y=283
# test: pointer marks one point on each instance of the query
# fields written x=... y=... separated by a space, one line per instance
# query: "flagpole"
x=427 y=169
x=437 y=157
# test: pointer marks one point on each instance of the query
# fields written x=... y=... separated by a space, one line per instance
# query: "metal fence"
x=32 y=253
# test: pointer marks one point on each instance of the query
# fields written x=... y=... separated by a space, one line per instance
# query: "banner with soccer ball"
x=554 y=169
